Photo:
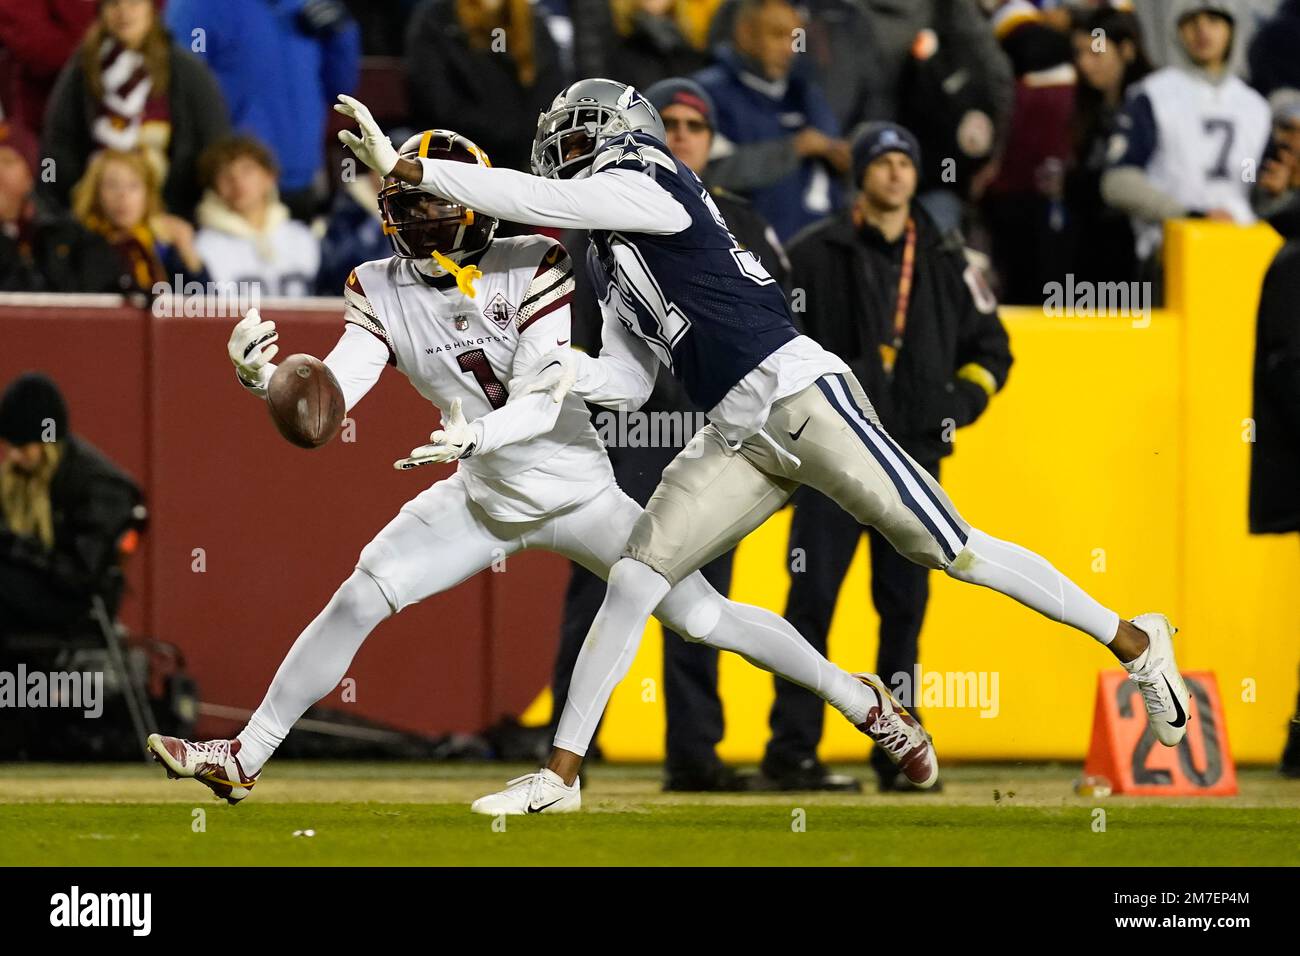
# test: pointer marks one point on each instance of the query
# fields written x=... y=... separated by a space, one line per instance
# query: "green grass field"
x=417 y=814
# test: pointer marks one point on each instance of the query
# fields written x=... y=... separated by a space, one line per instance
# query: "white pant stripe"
x=953 y=538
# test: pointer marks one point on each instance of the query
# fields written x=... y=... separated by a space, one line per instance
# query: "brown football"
x=305 y=400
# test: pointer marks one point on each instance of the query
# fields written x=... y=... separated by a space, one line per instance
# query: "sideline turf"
x=416 y=813
x=94 y=834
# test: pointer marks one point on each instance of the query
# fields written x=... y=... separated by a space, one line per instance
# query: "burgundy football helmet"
x=418 y=223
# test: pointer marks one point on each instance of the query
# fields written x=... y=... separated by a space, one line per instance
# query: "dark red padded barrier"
x=276 y=528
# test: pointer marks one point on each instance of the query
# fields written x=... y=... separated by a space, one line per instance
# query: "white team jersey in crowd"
x=1209 y=141
x=283 y=261
x=451 y=346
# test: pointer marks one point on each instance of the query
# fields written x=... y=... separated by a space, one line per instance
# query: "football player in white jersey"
x=677 y=290
x=460 y=313
x=1191 y=136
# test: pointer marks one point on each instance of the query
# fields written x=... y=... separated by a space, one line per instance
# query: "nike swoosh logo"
x=794 y=436
x=561 y=342
x=533 y=809
x=1182 y=717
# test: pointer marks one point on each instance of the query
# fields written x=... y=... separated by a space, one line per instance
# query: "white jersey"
x=1199 y=142
x=534 y=457
x=283 y=261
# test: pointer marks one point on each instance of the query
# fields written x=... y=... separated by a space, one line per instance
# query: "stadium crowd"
x=993 y=146
x=143 y=140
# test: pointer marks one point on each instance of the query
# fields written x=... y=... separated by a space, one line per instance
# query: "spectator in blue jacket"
x=280 y=64
x=777 y=140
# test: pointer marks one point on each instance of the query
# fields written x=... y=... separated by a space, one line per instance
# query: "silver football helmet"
x=582 y=117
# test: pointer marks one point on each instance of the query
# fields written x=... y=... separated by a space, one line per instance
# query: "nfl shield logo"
x=500 y=311
x=461 y=322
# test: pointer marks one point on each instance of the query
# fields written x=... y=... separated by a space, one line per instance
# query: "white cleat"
x=1156 y=673
x=540 y=792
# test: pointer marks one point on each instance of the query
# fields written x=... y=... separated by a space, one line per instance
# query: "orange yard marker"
x=1124 y=750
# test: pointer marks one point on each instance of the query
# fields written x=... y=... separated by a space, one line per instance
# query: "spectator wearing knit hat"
x=898 y=300
x=62 y=507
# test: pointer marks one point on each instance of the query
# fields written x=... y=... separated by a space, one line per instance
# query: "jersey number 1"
x=476 y=364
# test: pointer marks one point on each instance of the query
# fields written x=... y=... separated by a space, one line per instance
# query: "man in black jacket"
x=694 y=710
x=63 y=506
x=1275 y=454
x=881 y=287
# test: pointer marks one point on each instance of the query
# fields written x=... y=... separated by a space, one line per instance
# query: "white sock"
x=769 y=641
x=318 y=660
x=634 y=591
x=1029 y=578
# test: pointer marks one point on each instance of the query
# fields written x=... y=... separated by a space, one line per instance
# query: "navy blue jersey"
x=701 y=301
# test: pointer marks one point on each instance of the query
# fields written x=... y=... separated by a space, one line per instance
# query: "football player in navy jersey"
x=677 y=290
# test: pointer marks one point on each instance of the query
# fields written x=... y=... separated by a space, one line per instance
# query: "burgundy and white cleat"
x=213 y=763
x=897 y=732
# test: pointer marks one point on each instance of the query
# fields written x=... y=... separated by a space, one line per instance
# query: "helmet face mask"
x=417 y=222
x=582 y=117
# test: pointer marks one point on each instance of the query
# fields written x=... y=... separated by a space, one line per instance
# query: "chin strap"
x=465 y=275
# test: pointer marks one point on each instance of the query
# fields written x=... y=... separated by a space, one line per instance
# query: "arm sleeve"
x=617 y=199
x=623 y=375
x=357 y=361
x=1125 y=184
x=1128 y=189
x=535 y=414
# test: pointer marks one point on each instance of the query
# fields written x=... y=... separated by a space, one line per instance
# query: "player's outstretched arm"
x=457 y=438
x=621 y=377
x=617 y=200
x=357 y=360
x=520 y=419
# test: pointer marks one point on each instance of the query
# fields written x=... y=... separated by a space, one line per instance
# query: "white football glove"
x=554 y=373
x=454 y=440
x=372 y=147
x=251 y=348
